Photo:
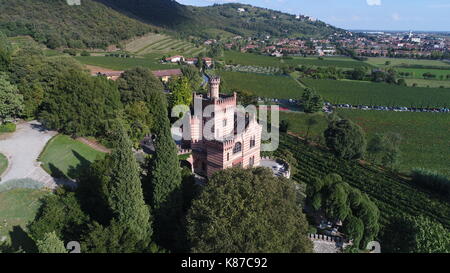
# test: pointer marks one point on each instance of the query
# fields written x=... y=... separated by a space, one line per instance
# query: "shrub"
x=7 y=127
x=431 y=180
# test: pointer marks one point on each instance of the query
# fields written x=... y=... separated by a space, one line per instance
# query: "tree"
x=50 y=243
x=123 y=190
x=384 y=149
x=140 y=121
x=420 y=234
x=6 y=51
x=193 y=75
x=181 y=92
x=79 y=104
x=358 y=74
x=338 y=201
x=311 y=102
x=247 y=211
x=11 y=102
x=162 y=185
x=345 y=139
x=284 y=126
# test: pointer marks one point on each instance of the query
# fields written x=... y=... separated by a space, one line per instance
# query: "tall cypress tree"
x=163 y=182
x=123 y=190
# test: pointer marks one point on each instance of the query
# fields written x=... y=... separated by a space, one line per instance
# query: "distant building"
x=166 y=75
x=240 y=10
x=174 y=59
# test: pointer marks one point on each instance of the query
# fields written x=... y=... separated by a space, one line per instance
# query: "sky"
x=425 y=15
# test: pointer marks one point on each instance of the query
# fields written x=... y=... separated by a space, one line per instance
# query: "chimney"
x=214 y=85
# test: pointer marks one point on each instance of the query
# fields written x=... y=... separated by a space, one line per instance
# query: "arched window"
x=237 y=148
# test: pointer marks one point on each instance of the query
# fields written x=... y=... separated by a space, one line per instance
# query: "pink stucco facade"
x=230 y=146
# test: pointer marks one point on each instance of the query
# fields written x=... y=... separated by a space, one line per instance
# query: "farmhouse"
x=229 y=145
x=166 y=75
x=174 y=59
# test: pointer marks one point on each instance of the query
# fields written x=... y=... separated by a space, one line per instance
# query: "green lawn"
x=64 y=156
x=425 y=136
x=269 y=86
x=3 y=163
x=368 y=93
x=18 y=209
x=124 y=63
x=261 y=60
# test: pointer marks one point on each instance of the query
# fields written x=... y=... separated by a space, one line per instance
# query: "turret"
x=214 y=86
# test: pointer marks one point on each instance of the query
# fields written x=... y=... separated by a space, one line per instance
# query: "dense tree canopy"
x=247 y=211
x=11 y=102
x=5 y=52
x=345 y=139
x=50 y=244
x=311 y=102
x=80 y=104
x=340 y=202
x=181 y=92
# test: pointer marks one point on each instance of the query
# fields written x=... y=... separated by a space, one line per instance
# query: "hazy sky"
x=361 y=14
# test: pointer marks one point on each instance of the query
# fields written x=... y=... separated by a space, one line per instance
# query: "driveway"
x=22 y=148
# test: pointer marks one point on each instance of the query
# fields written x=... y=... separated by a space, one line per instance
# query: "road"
x=22 y=148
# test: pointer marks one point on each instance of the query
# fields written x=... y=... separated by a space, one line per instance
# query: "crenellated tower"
x=214 y=87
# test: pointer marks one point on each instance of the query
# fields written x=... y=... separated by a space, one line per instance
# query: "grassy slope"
x=281 y=87
x=425 y=136
x=124 y=63
x=64 y=156
x=399 y=61
x=57 y=24
x=18 y=208
x=3 y=163
x=368 y=93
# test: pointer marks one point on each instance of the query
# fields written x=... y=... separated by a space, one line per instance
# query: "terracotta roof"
x=166 y=73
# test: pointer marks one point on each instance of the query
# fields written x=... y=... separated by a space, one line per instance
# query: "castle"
x=233 y=144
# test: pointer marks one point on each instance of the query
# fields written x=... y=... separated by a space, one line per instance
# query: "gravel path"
x=22 y=148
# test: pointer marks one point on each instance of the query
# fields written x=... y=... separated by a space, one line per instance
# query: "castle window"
x=237 y=148
x=224 y=123
x=252 y=142
x=228 y=156
x=251 y=161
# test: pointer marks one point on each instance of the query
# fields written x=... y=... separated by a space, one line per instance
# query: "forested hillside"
x=56 y=24
x=208 y=21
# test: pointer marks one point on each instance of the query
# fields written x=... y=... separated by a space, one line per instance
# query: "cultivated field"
x=235 y=57
x=64 y=156
x=425 y=136
x=115 y=63
x=417 y=73
x=428 y=83
x=162 y=44
x=269 y=86
x=382 y=94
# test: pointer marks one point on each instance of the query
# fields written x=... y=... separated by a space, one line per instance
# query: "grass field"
x=417 y=73
x=18 y=208
x=261 y=60
x=3 y=163
x=428 y=83
x=64 y=156
x=382 y=94
x=380 y=62
x=280 y=87
x=425 y=136
x=150 y=61
x=162 y=44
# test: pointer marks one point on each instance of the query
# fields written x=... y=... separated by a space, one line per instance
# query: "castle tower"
x=214 y=85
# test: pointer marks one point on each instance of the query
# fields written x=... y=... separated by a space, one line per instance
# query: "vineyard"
x=379 y=94
x=162 y=44
x=392 y=194
x=233 y=57
x=118 y=63
x=269 y=86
